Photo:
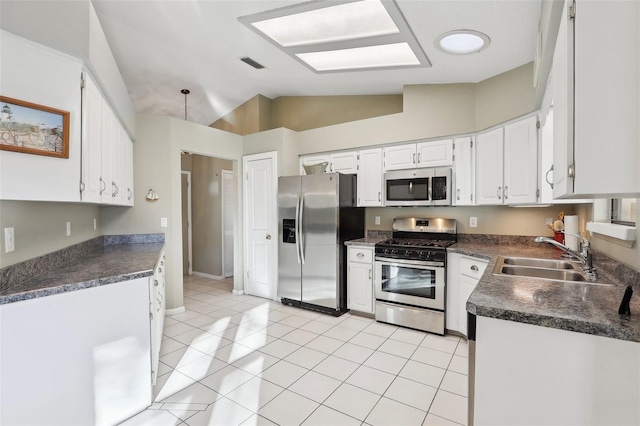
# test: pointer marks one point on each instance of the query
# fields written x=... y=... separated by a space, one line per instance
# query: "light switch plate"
x=9 y=240
x=377 y=220
x=163 y=222
x=473 y=222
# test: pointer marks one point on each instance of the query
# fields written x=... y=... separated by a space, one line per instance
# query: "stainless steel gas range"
x=410 y=273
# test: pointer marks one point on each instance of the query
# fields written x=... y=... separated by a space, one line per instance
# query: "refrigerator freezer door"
x=289 y=267
x=319 y=224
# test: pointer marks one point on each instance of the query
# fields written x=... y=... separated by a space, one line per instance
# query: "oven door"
x=410 y=282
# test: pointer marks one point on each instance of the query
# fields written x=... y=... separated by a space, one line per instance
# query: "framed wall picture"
x=33 y=129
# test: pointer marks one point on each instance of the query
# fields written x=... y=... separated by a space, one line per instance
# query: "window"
x=624 y=211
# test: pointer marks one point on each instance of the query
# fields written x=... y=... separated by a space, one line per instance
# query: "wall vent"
x=251 y=62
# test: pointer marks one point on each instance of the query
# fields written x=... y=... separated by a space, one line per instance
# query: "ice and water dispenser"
x=289 y=231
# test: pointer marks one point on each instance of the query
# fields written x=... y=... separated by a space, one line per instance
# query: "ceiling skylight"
x=348 y=21
x=388 y=55
x=341 y=35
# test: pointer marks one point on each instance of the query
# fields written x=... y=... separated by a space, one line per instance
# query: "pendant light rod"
x=185 y=92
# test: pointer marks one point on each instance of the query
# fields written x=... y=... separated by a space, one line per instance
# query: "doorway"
x=207 y=224
x=187 y=236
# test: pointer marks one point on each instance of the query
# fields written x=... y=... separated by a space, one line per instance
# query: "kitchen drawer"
x=472 y=267
x=359 y=254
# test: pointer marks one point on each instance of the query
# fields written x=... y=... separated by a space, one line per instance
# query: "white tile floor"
x=242 y=360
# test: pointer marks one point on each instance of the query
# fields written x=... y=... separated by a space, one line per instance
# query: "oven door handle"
x=420 y=264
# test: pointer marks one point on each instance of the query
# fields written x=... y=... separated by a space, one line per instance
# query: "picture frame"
x=33 y=129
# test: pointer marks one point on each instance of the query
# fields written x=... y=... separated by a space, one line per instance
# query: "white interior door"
x=260 y=224
x=228 y=213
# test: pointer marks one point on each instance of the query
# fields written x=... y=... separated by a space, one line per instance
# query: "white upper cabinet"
x=463 y=172
x=400 y=157
x=546 y=166
x=489 y=167
x=344 y=162
x=310 y=160
x=507 y=164
x=107 y=154
x=596 y=102
x=106 y=150
x=435 y=153
x=521 y=162
x=422 y=154
x=337 y=162
x=370 y=178
x=91 y=142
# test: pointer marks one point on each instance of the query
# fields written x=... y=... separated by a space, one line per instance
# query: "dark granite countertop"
x=583 y=308
x=368 y=241
x=101 y=261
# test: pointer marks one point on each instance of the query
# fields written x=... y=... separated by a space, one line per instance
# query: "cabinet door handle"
x=360 y=255
x=369 y=273
x=379 y=196
x=331 y=166
x=103 y=185
x=506 y=192
x=474 y=268
x=498 y=193
x=414 y=158
x=546 y=177
x=418 y=158
x=458 y=192
x=155 y=282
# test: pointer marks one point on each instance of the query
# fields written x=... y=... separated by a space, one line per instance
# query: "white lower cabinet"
x=76 y=358
x=360 y=279
x=463 y=275
x=157 y=306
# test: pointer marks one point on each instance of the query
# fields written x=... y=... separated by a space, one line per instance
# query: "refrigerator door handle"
x=300 y=229
x=297 y=229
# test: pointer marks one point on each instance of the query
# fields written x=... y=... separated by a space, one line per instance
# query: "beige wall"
x=505 y=96
x=309 y=112
x=157 y=164
x=251 y=117
x=206 y=205
x=500 y=220
x=41 y=227
x=283 y=141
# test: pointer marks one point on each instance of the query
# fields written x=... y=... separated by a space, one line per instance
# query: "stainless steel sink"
x=543 y=269
x=548 y=274
x=540 y=263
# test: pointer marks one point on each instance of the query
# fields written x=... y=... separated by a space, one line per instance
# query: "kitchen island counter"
x=99 y=261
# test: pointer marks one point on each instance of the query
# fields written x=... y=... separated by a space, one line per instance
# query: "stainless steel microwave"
x=418 y=187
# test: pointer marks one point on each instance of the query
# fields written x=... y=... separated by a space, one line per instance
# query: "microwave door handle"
x=410 y=187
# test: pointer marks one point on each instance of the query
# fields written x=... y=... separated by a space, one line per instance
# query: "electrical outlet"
x=473 y=222
x=377 y=220
x=95 y=224
x=9 y=240
x=163 y=222
x=68 y=229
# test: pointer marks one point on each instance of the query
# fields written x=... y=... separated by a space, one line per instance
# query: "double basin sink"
x=543 y=269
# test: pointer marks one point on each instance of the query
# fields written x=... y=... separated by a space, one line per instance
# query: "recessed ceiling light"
x=462 y=42
x=388 y=55
x=347 y=21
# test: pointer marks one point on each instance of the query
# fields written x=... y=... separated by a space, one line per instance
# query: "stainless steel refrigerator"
x=316 y=215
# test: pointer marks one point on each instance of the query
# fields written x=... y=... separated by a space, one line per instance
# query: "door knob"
x=268 y=237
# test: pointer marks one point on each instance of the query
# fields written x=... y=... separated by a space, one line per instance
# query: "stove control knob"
x=394 y=251
x=424 y=254
x=387 y=251
x=409 y=252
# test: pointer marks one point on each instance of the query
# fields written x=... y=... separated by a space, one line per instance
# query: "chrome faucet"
x=584 y=256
